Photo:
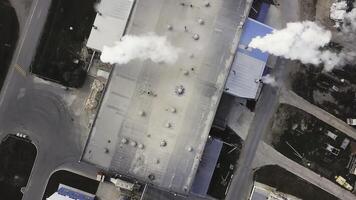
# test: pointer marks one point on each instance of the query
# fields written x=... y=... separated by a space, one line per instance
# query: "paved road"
x=22 y=8
x=267 y=155
x=291 y=98
x=266 y=107
x=40 y=110
x=242 y=179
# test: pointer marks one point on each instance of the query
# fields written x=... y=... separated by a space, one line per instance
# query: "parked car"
x=351 y=121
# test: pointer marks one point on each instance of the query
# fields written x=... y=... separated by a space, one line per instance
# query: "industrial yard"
x=312 y=143
x=174 y=100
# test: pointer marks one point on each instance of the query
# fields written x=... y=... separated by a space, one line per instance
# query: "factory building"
x=155 y=118
x=110 y=23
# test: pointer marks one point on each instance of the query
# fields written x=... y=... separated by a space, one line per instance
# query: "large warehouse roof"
x=155 y=119
x=110 y=23
x=249 y=64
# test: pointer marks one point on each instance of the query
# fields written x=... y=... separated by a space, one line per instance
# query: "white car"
x=351 y=121
x=21 y=135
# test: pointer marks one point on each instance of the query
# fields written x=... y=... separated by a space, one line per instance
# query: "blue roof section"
x=207 y=166
x=253 y=28
x=249 y=64
x=74 y=194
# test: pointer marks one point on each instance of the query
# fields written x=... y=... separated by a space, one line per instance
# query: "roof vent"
x=179 y=90
x=163 y=143
x=196 y=36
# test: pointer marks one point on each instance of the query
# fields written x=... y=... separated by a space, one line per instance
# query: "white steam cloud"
x=145 y=47
x=300 y=41
x=269 y=80
x=349 y=22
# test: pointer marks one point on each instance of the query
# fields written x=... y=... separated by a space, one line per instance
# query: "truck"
x=342 y=181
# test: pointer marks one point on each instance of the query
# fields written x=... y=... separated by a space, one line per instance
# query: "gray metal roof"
x=110 y=23
x=130 y=118
x=243 y=80
x=249 y=63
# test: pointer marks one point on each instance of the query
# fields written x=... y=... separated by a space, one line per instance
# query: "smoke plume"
x=146 y=47
x=302 y=41
x=269 y=80
x=349 y=22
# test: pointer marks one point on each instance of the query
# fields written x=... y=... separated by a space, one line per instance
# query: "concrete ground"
x=287 y=11
x=240 y=119
x=107 y=191
x=43 y=111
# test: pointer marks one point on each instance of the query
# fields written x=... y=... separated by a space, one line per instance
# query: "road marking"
x=20 y=70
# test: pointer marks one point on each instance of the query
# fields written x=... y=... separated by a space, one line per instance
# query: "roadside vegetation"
x=61 y=55
x=9 y=31
x=289 y=183
x=312 y=143
x=17 y=156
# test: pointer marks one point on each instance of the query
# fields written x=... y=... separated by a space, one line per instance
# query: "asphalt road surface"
x=243 y=177
x=39 y=110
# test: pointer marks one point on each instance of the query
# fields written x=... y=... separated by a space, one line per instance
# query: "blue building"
x=68 y=193
x=249 y=64
x=207 y=166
